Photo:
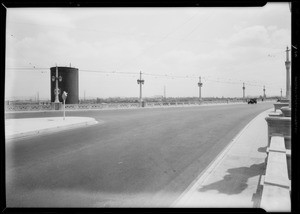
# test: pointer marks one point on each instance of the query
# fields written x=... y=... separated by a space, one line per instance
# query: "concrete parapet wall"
x=28 y=107
x=276 y=181
x=36 y=107
x=278 y=126
x=279 y=105
x=101 y=106
x=284 y=101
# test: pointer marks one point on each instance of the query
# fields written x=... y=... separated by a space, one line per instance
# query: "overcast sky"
x=171 y=46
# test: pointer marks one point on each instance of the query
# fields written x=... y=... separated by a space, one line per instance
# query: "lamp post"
x=286 y=110
x=288 y=66
x=243 y=91
x=140 y=82
x=56 y=78
x=264 y=93
x=64 y=96
x=200 y=85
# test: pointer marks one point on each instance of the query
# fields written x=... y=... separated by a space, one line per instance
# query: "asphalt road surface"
x=136 y=158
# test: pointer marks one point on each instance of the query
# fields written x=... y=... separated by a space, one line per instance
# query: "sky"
x=172 y=47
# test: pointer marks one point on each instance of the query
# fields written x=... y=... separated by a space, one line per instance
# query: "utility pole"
x=264 y=93
x=243 y=90
x=200 y=85
x=140 y=82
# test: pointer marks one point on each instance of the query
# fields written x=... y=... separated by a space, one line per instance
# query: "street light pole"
x=243 y=91
x=287 y=65
x=56 y=78
x=140 y=82
x=264 y=92
x=56 y=86
x=200 y=85
x=288 y=87
x=140 y=87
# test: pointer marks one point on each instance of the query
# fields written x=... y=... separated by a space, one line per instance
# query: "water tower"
x=67 y=80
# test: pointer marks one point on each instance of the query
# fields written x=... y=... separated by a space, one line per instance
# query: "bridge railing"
x=46 y=107
x=28 y=107
x=276 y=181
x=101 y=106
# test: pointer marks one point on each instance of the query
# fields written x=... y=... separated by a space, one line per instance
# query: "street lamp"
x=200 y=85
x=140 y=82
x=56 y=78
x=288 y=66
x=243 y=91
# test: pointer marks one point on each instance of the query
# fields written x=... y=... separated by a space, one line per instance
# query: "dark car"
x=252 y=101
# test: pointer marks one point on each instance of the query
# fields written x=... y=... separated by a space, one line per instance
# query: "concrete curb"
x=216 y=162
x=51 y=129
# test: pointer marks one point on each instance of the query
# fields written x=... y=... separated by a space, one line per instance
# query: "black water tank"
x=69 y=83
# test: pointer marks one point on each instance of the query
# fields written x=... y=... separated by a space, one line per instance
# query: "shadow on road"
x=236 y=181
x=262 y=149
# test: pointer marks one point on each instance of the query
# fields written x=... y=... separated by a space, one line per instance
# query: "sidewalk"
x=17 y=128
x=232 y=180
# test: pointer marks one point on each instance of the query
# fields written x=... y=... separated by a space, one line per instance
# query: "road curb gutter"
x=51 y=130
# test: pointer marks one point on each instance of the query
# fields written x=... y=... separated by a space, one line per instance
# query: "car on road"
x=252 y=101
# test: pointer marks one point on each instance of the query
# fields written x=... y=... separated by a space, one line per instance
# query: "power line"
x=205 y=78
x=26 y=68
x=110 y=72
x=275 y=54
x=104 y=31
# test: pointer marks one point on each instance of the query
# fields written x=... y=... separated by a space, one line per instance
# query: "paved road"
x=141 y=157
